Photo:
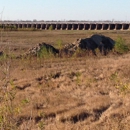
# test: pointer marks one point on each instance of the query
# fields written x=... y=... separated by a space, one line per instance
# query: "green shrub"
x=1 y=26
x=120 y=46
x=44 y=53
x=59 y=44
x=51 y=27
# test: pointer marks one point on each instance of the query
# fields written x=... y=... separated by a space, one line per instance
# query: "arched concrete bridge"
x=69 y=25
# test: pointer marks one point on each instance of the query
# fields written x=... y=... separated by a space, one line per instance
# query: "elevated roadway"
x=67 y=25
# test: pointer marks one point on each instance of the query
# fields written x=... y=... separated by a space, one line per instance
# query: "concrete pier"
x=67 y=25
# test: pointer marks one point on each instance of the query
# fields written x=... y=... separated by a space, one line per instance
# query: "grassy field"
x=33 y=37
x=76 y=93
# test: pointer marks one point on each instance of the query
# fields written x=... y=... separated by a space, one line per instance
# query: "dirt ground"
x=76 y=93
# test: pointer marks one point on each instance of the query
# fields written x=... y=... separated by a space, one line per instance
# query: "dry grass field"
x=75 y=93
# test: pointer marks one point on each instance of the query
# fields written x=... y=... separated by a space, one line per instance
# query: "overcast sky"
x=65 y=10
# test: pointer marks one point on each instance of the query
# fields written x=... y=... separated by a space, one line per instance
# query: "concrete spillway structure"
x=68 y=25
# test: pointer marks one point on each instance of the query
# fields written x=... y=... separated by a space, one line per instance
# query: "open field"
x=76 y=93
x=30 y=38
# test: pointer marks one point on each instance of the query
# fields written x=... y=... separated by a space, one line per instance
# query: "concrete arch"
x=105 y=26
x=19 y=25
x=125 y=26
x=24 y=25
x=47 y=26
x=38 y=26
x=112 y=26
x=75 y=26
x=80 y=26
x=87 y=26
x=93 y=26
x=43 y=26
x=33 y=26
x=69 y=26
x=118 y=26
x=50 y=26
x=64 y=26
x=29 y=25
x=99 y=26
x=58 y=26
x=53 y=26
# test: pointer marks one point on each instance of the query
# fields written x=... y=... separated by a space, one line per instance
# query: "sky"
x=92 y=10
